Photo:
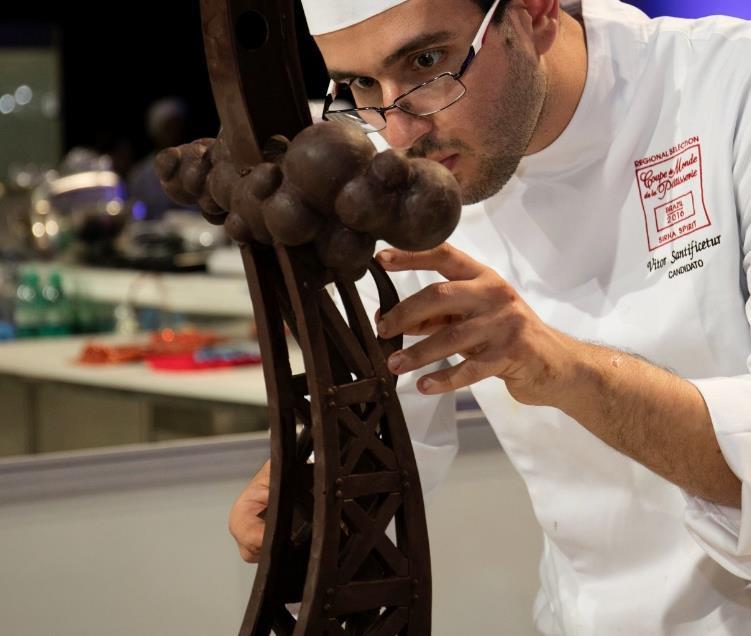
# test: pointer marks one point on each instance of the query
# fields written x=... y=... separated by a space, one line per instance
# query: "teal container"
x=57 y=312
x=29 y=311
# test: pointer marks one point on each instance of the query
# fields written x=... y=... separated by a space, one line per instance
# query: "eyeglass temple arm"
x=479 y=40
x=482 y=32
x=331 y=93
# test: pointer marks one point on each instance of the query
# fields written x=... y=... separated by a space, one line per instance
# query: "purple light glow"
x=694 y=8
x=139 y=210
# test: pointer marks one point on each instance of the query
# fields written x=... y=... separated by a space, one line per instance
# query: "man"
x=593 y=295
x=167 y=126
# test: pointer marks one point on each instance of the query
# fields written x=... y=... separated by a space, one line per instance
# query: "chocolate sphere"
x=289 y=220
x=391 y=168
x=168 y=168
x=237 y=229
x=429 y=210
x=340 y=248
x=221 y=182
x=248 y=207
x=365 y=206
x=275 y=148
x=216 y=219
x=323 y=158
x=167 y=163
x=219 y=150
x=354 y=273
x=194 y=168
x=209 y=207
x=265 y=179
x=173 y=189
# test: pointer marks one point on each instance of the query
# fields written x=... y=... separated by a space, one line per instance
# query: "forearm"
x=652 y=416
x=643 y=411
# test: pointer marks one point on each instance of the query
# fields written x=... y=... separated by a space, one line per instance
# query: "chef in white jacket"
x=595 y=297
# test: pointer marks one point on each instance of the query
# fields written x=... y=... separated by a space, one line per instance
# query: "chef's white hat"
x=325 y=16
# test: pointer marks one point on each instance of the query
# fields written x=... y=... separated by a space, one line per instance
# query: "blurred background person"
x=166 y=125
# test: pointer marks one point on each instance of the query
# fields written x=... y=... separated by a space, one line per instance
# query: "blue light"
x=7 y=331
x=139 y=210
x=694 y=8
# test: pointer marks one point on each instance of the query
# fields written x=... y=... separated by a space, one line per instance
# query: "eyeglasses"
x=426 y=99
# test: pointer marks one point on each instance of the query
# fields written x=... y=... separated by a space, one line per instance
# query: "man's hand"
x=244 y=523
x=641 y=410
x=480 y=316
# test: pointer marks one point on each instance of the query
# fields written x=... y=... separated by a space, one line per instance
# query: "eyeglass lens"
x=430 y=98
x=369 y=120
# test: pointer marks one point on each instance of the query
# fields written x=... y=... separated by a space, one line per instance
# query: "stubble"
x=507 y=128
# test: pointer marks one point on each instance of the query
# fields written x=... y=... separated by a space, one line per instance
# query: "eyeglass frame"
x=474 y=50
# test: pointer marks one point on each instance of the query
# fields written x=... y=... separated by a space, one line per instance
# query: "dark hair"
x=499 y=12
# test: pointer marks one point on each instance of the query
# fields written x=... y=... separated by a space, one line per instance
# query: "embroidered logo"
x=671 y=188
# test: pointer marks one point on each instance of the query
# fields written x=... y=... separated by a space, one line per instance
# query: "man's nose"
x=403 y=130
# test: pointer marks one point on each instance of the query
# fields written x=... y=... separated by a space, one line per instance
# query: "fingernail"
x=426 y=384
x=395 y=361
x=386 y=257
x=381 y=328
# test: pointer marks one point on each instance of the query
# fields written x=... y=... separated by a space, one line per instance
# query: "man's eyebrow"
x=415 y=44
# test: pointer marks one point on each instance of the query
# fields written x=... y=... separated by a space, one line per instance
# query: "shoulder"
x=695 y=57
x=705 y=34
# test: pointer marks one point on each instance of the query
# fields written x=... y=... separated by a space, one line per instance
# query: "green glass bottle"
x=57 y=310
x=28 y=313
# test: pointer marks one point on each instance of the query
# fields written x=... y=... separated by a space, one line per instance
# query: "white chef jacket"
x=633 y=229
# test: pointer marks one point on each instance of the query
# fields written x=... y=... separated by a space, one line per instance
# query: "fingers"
x=252 y=541
x=426 y=327
x=448 y=261
x=432 y=325
x=466 y=336
x=440 y=303
x=457 y=377
x=245 y=525
x=430 y=306
x=263 y=476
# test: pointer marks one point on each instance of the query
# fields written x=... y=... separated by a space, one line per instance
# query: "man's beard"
x=508 y=130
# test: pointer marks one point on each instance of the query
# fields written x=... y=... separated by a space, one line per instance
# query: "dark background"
x=119 y=57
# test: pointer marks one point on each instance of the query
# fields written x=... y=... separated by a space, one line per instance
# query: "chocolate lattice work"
x=306 y=214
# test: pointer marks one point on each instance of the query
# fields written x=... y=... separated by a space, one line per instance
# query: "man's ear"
x=545 y=22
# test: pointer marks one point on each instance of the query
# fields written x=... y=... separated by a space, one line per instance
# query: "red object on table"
x=195 y=362
x=162 y=342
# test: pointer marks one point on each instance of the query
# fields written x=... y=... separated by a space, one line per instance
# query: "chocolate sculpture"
x=307 y=213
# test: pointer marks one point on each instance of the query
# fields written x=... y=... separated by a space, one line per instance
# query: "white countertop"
x=54 y=359
x=224 y=294
x=191 y=293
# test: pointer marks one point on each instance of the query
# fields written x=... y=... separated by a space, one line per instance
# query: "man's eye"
x=429 y=59
x=363 y=83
